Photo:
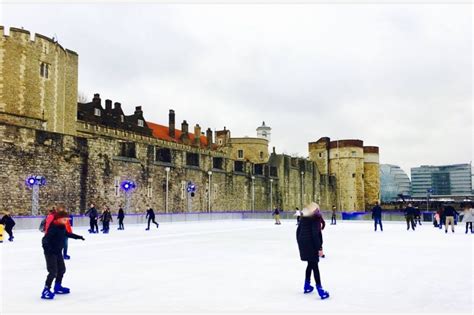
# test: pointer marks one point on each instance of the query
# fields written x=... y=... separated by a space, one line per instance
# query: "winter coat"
x=276 y=212
x=8 y=222
x=49 y=220
x=308 y=236
x=106 y=216
x=121 y=214
x=468 y=215
x=410 y=211
x=320 y=219
x=92 y=213
x=417 y=212
x=449 y=211
x=150 y=213
x=377 y=212
x=53 y=241
x=68 y=227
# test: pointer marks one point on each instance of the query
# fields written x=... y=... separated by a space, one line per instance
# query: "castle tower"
x=38 y=82
x=346 y=163
x=371 y=175
x=264 y=132
x=319 y=153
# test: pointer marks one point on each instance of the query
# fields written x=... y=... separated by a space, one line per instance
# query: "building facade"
x=87 y=150
x=393 y=181
x=353 y=167
x=445 y=180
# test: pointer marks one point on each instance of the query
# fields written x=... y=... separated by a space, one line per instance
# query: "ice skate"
x=66 y=257
x=323 y=294
x=308 y=288
x=59 y=289
x=47 y=294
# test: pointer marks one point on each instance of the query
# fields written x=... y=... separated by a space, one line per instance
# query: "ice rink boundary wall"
x=33 y=222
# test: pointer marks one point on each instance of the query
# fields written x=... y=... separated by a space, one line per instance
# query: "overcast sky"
x=395 y=76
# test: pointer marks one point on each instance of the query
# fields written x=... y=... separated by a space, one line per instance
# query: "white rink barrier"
x=33 y=222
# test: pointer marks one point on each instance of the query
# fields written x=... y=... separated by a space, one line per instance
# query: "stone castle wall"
x=251 y=147
x=30 y=98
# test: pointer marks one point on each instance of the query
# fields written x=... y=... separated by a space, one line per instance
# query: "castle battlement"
x=34 y=38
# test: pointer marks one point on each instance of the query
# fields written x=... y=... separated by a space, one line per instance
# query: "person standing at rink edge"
x=121 y=217
x=333 y=216
x=377 y=216
x=150 y=214
x=53 y=244
x=309 y=244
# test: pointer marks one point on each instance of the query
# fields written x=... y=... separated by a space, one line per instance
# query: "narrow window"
x=240 y=154
x=117 y=186
x=320 y=154
x=122 y=119
x=261 y=155
x=97 y=112
x=353 y=175
x=140 y=123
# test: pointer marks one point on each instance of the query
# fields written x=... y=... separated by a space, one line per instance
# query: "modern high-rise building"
x=451 y=180
x=393 y=181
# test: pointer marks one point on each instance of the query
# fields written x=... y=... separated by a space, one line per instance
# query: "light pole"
x=302 y=188
x=34 y=182
x=253 y=193
x=167 y=170
x=209 y=192
x=271 y=193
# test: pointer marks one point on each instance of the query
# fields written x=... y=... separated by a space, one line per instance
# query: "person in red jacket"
x=49 y=219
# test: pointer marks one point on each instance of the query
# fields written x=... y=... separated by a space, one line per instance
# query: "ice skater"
x=66 y=243
x=417 y=216
x=410 y=216
x=276 y=216
x=333 y=216
x=53 y=243
x=441 y=217
x=106 y=218
x=377 y=216
x=309 y=245
x=9 y=223
x=298 y=215
x=449 y=213
x=121 y=217
x=93 y=215
x=468 y=216
x=150 y=214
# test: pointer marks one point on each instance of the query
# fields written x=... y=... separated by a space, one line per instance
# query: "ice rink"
x=245 y=266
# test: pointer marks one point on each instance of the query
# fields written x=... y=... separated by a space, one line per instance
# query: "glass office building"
x=393 y=181
x=447 y=180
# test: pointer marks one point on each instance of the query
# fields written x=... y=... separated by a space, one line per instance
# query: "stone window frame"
x=261 y=155
x=44 y=70
x=190 y=157
x=240 y=153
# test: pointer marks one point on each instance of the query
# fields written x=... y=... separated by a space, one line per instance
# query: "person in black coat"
x=9 y=223
x=377 y=216
x=309 y=244
x=93 y=216
x=53 y=244
x=106 y=218
x=449 y=213
x=410 y=216
x=150 y=214
x=417 y=216
x=120 y=217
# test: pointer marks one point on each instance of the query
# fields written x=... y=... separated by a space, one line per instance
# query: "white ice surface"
x=245 y=266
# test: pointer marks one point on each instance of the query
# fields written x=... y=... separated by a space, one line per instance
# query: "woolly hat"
x=61 y=214
x=310 y=209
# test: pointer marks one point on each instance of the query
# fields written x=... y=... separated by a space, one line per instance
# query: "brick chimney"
x=96 y=98
x=117 y=105
x=184 y=127
x=209 y=137
x=138 y=110
x=108 y=105
x=197 y=134
x=171 y=124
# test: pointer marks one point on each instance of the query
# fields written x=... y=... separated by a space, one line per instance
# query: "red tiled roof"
x=162 y=132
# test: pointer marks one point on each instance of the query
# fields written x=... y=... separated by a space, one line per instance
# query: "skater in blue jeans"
x=377 y=216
